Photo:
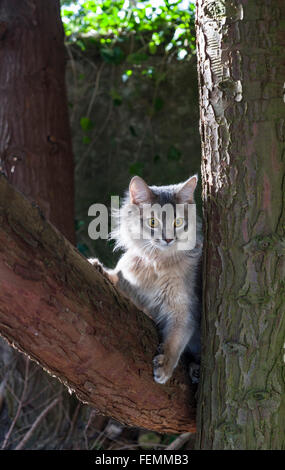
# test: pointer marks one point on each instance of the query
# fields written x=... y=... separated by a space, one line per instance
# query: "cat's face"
x=159 y=219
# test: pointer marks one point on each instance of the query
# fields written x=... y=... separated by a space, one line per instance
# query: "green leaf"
x=81 y=45
x=156 y=37
x=152 y=47
x=86 y=124
x=149 y=72
x=86 y=140
x=117 y=20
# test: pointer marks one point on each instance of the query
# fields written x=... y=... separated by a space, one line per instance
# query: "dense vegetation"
x=168 y=25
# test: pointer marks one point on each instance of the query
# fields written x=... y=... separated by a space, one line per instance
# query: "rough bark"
x=241 y=55
x=35 y=143
x=58 y=309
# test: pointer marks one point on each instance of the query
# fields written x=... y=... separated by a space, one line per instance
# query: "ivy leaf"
x=152 y=47
x=86 y=123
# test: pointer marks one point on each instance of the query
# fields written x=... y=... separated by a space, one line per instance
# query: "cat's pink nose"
x=168 y=240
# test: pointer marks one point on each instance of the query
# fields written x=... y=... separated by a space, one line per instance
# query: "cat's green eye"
x=178 y=222
x=152 y=222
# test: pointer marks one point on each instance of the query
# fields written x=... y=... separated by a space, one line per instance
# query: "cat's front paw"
x=162 y=370
x=97 y=264
x=110 y=274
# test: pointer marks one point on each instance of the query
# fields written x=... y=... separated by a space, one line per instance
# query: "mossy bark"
x=241 y=66
x=64 y=314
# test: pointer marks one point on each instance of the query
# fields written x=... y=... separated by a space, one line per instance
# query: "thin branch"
x=95 y=138
x=179 y=441
x=20 y=405
x=2 y=389
x=91 y=416
x=36 y=423
x=73 y=421
x=96 y=87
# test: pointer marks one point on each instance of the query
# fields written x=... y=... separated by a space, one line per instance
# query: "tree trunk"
x=241 y=64
x=58 y=309
x=35 y=143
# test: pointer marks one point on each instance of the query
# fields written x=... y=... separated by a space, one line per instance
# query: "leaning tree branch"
x=64 y=314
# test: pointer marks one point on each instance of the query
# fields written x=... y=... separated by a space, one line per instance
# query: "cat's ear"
x=185 y=194
x=139 y=191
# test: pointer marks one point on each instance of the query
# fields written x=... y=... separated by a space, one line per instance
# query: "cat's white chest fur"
x=138 y=271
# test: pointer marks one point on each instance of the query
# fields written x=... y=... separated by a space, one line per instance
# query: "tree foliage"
x=161 y=24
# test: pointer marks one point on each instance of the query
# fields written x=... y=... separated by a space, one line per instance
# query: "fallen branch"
x=61 y=312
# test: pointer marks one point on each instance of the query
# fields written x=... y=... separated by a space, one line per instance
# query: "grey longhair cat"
x=161 y=279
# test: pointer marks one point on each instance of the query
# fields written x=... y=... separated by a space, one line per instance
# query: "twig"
x=97 y=135
x=35 y=424
x=20 y=406
x=99 y=440
x=72 y=424
x=41 y=404
x=2 y=389
x=91 y=416
x=86 y=154
x=179 y=441
x=96 y=87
